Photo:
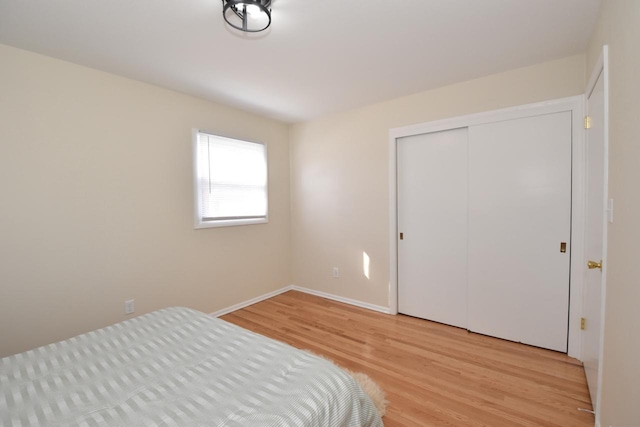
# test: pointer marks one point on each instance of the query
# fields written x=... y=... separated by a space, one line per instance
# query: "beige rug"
x=373 y=390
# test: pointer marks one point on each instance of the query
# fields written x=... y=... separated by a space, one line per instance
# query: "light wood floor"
x=434 y=375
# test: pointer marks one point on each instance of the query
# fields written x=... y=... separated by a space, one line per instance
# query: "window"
x=230 y=181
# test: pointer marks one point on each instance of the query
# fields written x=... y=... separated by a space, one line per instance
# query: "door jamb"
x=575 y=105
x=601 y=67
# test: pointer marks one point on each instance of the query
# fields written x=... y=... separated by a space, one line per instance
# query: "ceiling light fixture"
x=250 y=16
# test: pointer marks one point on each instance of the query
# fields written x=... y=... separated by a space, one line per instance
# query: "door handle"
x=593 y=264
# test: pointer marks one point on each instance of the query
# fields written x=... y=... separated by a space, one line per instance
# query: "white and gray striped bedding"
x=177 y=367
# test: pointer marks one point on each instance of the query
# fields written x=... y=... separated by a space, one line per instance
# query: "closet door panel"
x=519 y=213
x=432 y=216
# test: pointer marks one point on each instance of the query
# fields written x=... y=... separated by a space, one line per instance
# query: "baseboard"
x=250 y=302
x=349 y=301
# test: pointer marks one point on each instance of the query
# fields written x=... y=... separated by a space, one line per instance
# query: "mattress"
x=177 y=367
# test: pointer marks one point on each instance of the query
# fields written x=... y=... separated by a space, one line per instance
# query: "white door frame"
x=573 y=104
x=602 y=67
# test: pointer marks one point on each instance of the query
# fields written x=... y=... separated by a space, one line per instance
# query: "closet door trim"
x=575 y=105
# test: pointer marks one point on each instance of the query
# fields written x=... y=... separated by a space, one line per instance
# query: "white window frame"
x=198 y=221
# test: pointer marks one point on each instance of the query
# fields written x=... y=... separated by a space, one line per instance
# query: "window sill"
x=229 y=223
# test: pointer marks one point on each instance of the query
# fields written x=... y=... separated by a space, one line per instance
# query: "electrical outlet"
x=129 y=306
x=336 y=272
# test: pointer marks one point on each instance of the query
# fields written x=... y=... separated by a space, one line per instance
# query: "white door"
x=595 y=226
x=432 y=220
x=519 y=217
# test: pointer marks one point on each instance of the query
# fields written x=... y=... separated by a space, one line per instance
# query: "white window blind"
x=231 y=181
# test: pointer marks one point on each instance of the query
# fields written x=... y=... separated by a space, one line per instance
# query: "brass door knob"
x=593 y=264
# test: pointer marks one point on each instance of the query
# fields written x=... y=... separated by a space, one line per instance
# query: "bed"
x=177 y=367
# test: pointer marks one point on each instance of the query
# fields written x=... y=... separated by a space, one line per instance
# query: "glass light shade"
x=250 y=16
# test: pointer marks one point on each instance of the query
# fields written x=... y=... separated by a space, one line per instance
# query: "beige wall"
x=97 y=203
x=619 y=27
x=340 y=173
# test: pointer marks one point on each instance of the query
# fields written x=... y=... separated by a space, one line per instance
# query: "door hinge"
x=587 y=122
x=583 y=321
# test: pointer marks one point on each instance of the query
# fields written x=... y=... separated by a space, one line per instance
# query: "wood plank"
x=433 y=374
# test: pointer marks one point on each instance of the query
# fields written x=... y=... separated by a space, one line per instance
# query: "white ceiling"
x=318 y=56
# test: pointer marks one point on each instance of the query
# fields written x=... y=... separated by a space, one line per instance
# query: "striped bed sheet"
x=177 y=367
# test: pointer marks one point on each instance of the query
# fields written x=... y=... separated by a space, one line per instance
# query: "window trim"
x=225 y=222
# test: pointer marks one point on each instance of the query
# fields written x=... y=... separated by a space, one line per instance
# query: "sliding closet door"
x=432 y=226
x=519 y=216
